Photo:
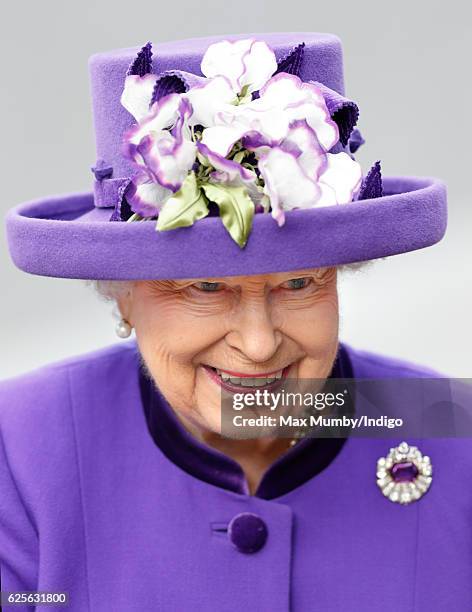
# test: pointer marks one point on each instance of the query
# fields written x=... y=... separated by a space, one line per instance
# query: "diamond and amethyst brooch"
x=404 y=475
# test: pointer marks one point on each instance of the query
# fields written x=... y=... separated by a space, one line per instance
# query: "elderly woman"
x=226 y=200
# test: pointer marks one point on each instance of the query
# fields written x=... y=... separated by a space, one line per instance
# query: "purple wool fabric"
x=109 y=191
x=90 y=505
x=66 y=236
x=70 y=236
x=102 y=170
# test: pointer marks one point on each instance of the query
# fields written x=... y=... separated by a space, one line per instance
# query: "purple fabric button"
x=405 y=471
x=247 y=532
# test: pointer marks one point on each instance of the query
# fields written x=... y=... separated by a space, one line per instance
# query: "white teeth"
x=249 y=381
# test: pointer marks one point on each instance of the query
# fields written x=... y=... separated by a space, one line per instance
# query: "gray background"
x=407 y=64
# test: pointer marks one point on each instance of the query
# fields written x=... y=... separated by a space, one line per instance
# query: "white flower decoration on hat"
x=247 y=64
x=242 y=137
x=163 y=151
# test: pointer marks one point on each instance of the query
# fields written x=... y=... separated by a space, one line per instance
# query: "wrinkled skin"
x=248 y=324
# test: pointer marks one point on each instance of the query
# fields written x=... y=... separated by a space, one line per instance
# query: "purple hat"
x=225 y=156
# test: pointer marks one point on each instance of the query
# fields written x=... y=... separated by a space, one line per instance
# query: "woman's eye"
x=296 y=283
x=209 y=286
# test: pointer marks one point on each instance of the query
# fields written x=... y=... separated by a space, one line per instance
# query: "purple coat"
x=91 y=505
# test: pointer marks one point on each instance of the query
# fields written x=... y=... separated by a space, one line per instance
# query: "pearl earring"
x=123 y=329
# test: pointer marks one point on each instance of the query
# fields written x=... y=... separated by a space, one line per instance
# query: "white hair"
x=110 y=290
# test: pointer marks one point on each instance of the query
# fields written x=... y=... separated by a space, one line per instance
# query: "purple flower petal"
x=169 y=155
x=225 y=167
x=292 y=61
x=209 y=98
x=372 y=184
x=221 y=138
x=255 y=140
x=175 y=81
x=303 y=143
x=343 y=111
x=231 y=173
x=143 y=63
x=355 y=141
x=291 y=98
x=145 y=196
x=162 y=115
x=286 y=183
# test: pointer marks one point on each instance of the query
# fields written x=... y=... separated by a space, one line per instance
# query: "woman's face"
x=195 y=334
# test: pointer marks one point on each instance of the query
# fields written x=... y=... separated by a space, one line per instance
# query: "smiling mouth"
x=238 y=381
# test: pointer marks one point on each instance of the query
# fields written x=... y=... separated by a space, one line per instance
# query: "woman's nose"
x=253 y=332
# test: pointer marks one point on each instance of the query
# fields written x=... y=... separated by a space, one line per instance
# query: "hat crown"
x=322 y=61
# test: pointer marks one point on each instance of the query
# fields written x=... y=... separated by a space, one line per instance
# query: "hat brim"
x=67 y=237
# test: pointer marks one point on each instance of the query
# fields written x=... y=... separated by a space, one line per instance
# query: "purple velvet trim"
x=306 y=459
x=248 y=532
x=106 y=191
x=174 y=81
x=356 y=140
x=372 y=184
x=102 y=170
x=411 y=215
x=340 y=148
x=122 y=210
x=342 y=110
x=167 y=84
x=291 y=62
x=143 y=63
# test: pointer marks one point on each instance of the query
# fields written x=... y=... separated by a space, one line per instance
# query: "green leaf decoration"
x=238 y=158
x=236 y=209
x=185 y=207
x=134 y=217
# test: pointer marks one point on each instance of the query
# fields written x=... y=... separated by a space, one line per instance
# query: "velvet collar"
x=300 y=463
